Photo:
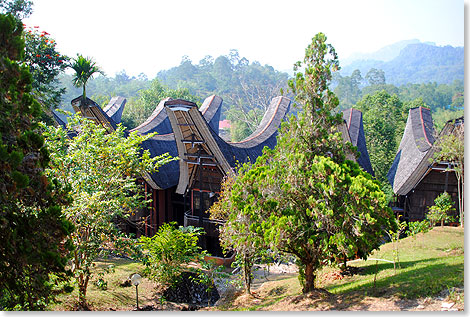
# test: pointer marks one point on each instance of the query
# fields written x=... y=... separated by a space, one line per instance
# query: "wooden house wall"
x=165 y=206
x=422 y=197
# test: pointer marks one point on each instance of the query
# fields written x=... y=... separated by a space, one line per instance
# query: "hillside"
x=384 y=54
x=417 y=63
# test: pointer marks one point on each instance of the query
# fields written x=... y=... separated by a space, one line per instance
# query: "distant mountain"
x=384 y=54
x=415 y=63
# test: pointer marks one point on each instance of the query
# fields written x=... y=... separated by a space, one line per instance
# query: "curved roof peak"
x=268 y=126
x=115 y=108
x=422 y=128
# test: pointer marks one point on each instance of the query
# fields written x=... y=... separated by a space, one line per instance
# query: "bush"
x=168 y=250
x=443 y=204
x=416 y=227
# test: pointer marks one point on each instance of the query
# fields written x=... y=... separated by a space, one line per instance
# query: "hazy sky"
x=149 y=36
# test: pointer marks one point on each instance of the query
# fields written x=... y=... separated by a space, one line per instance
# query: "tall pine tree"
x=32 y=227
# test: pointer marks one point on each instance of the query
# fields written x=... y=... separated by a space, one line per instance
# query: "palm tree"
x=84 y=68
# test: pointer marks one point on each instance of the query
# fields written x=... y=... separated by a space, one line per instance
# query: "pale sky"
x=149 y=36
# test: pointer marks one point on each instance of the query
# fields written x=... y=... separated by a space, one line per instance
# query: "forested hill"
x=417 y=63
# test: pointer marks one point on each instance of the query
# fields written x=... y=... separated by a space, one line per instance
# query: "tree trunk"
x=459 y=193
x=82 y=288
x=309 y=278
x=84 y=95
x=247 y=275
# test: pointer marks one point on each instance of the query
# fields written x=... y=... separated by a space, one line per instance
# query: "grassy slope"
x=429 y=263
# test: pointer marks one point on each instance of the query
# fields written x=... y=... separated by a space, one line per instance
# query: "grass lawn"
x=115 y=297
x=429 y=263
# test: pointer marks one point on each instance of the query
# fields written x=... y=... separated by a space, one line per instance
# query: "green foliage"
x=247 y=88
x=348 y=89
x=451 y=149
x=33 y=230
x=304 y=198
x=102 y=88
x=384 y=118
x=394 y=234
x=101 y=171
x=375 y=77
x=140 y=108
x=45 y=64
x=415 y=227
x=237 y=205
x=20 y=9
x=169 y=249
x=439 y=212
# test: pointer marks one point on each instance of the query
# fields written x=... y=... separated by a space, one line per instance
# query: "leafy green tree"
x=84 y=68
x=45 y=64
x=384 y=119
x=375 y=77
x=20 y=9
x=33 y=230
x=442 y=115
x=348 y=89
x=439 y=212
x=101 y=171
x=172 y=247
x=338 y=208
x=236 y=234
x=303 y=197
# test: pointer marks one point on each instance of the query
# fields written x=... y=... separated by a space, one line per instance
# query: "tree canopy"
x=304 y=198
x=33 y=230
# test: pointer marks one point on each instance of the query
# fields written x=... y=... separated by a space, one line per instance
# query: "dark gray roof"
x=353 y=118
x=414 y=153
x=168 y=174
x=115 y=108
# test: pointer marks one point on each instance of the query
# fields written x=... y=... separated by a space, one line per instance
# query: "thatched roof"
x=91 y=110
x=115 y=108
x=413 y=158
x=211 y=109
x=183 y=119
x=353 y=118
x=196 y=139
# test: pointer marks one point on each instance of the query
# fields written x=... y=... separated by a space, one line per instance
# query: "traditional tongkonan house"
x=416 y=178
x=183 y=190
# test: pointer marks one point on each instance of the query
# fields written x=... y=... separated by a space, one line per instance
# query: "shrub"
x=443 y=204
x=168 y=250
x=416 y=227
